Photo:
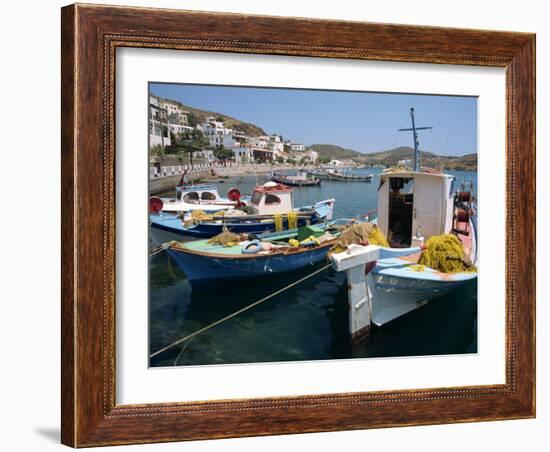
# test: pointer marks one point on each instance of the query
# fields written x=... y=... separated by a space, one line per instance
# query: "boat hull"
x=204 y=268
x=396 y=288
x=296 y=182
x=165 y=225
x=173 y=229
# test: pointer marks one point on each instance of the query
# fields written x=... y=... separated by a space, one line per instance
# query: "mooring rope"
x=156 y=251
x=240 y=311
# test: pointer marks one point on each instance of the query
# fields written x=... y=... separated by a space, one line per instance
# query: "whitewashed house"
x=158 y=123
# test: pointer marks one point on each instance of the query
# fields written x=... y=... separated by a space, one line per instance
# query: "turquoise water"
x=307 y=322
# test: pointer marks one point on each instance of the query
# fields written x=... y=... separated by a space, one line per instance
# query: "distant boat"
x=336 y=175
x=270 y=208
x=300 y=180
x=204 y=262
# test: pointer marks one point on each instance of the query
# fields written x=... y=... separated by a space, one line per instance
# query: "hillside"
x=332 y=151
x=200 y=115
x=391 y=157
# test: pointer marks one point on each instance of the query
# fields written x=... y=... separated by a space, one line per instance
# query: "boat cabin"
x=271 y=198
x=414 y=205
x=197 y=194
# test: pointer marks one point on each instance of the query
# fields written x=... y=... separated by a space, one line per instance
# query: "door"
x=427 y=207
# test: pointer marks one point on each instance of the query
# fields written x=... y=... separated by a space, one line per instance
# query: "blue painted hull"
x=204 y=268
x=166 y=227
x=206 y=230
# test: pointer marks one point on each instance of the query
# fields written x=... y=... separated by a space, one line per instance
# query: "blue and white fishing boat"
x=203 y=197
x=270 y=209
x=269 y=254
x=413 y=206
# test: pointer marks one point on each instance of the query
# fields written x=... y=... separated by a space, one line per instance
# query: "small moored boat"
x=203 y=197
x=299 y=180
x=270 y=209
x=204 y=261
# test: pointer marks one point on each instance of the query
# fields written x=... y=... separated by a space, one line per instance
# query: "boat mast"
x=415 y=138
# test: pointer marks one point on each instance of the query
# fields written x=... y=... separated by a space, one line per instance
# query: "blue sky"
x=365 y=122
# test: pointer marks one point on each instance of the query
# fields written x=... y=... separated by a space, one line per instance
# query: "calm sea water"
x=307 y=322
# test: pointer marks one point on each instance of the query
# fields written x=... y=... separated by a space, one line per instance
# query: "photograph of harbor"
x=294 y=224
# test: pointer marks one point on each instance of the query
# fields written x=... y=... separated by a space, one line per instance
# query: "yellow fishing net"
x=278 y=218
x=225 y=238
x=292 y=220
x=445 y=254
x=197 y=216
x=358 y=233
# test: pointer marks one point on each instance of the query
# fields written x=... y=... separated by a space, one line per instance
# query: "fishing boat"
x=302 y=179
x=336 y=175
x=414 y=206
x=270 y=209
x=203 y=261
x=203 y=197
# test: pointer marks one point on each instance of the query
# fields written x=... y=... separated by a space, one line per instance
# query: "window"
x=256 y=197
x=191 y=197
x=272 y=199
x=207 y=196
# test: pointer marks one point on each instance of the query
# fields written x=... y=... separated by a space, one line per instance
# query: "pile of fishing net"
x=445 y=254
x=225 y=238
x=197 y=216
x=359 y=233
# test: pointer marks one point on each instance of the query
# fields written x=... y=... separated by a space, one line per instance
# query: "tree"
x=323 y=160
x=222 y=153
x=291 y=161
x=280 y=159
x=192 y=142
x=192 y=120
x=156 y=150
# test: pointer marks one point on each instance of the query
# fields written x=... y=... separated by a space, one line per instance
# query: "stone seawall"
x=167 y=183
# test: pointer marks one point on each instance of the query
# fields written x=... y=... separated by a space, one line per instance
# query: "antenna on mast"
x=415 y=137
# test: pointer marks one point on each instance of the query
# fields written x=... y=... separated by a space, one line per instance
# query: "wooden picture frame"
x=90 y=37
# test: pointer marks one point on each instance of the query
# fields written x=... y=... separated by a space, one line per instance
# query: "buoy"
x=155 y=205
x=253 y=247
x=234 y=194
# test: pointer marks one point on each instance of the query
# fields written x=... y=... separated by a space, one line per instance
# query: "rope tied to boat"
x=236 y=313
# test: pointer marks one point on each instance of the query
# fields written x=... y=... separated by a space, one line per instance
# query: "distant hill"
x=391 y=157
x=230 y=122
x=332 y=151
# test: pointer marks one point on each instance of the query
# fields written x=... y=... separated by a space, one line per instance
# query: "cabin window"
x=272 y=199
x=191 y=197
x=207 y=196
x=256 y=197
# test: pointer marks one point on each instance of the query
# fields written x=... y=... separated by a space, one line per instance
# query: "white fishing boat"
x=203 y=197
x=413 y=206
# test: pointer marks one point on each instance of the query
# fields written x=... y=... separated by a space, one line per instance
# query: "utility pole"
x=415 y=138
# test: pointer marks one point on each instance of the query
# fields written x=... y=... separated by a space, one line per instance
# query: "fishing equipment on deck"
x=445 y=254
x=292 y=220
x=224 y=238
x=294 y=243
x=359 y=233
x=253 y=247
x=306 y=232
x=278 y=219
